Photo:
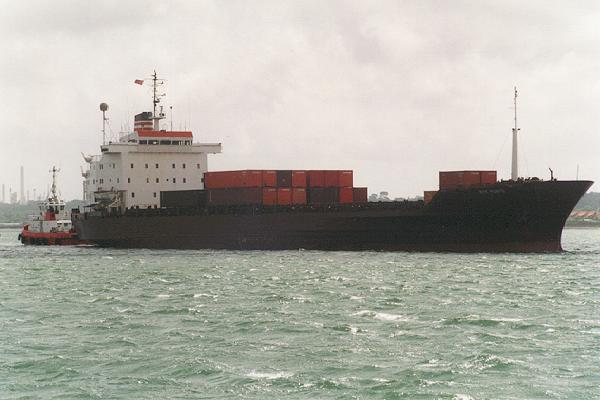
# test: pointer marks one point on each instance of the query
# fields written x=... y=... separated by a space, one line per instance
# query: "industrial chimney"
x=23 y=200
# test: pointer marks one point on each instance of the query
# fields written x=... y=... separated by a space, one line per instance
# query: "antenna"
x=104 y=108
x=171 y=108
x=514 y=174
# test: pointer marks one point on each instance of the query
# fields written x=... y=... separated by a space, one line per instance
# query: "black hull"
x=507 y=217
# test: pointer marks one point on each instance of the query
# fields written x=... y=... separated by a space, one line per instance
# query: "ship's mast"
x=54 y=197
x=155 y=100
x=103 y=108
x=514 y=174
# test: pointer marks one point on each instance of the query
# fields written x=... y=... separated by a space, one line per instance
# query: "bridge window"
x=143 y=142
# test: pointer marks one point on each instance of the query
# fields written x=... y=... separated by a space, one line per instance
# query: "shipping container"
x=428 y=195
x=222 y=179
x=269 y=196
x=183 y=198
x=359 y=195
x=298 y=196
x=488 y=177
x=284 y=178
x=235 y=196
x=316 y=178
x=269 y=178
x=471 y=178
x=332 y=178
x=323 y=195
x=284 y=196
x=345 y=178
x=251 y=178
x=299 y=179
x=451 y=179
x=346 y=195
x=466 y=179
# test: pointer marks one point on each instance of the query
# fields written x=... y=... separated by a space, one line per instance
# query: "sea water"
x=90 y=323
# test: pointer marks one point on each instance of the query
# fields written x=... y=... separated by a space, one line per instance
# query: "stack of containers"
x=282 y=187
x=466 y=179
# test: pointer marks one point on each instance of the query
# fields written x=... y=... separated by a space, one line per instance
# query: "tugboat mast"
x=54 y=197
x=514 y=175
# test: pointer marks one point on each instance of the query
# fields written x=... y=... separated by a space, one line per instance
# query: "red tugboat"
x=53 y=224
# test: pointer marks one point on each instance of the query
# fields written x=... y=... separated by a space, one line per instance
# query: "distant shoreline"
x=10 y=225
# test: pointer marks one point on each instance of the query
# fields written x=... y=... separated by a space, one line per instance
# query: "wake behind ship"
x=152 y=189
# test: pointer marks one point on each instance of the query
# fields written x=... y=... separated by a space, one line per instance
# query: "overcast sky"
x=395 y=90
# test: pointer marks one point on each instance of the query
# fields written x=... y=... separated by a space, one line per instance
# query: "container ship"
x=152 y=189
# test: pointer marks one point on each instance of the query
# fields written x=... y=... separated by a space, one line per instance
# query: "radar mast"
x=156 y=82
x=54 y=197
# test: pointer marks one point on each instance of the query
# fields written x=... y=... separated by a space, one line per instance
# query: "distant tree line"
x=589 y=202
x=19 y=212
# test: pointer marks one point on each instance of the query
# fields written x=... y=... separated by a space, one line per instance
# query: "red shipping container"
x=332 y=178
x=451 y=179
x=316 y=178
x=488 y=177
x=284 y=196
x=299 y=179
x=251 y=178
x=428 y=196
x=222 y=179
x=346 y=179
x=471 y=178
x=269 y=196
x=346 y=195
x=269 y=178
x=298 y=196
x=359 y=195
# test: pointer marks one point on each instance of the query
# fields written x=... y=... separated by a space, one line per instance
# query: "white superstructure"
x=133 y=171
x=53 y=217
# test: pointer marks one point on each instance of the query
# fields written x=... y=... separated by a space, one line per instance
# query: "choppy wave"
x=81 y=322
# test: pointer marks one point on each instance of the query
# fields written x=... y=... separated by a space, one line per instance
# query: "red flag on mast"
x=139 y=81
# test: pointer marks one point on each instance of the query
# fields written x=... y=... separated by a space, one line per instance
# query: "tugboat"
x=53 y=224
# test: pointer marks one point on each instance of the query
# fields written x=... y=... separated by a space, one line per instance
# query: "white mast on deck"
x=514 y=174
x=103 y=108
x=155 y=100
x=54 y=197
